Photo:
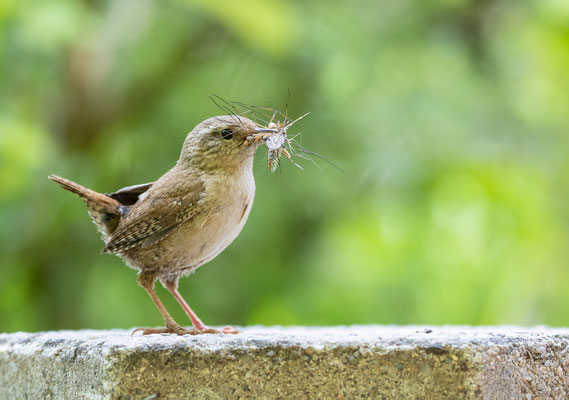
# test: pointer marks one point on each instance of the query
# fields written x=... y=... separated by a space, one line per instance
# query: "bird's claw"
x=226 y=330
x=229 y=330
x=178 y=330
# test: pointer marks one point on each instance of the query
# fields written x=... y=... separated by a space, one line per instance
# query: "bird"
x=168 y=228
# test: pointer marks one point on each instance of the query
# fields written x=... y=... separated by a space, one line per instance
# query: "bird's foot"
x=170 y=328
x=227 y=330
x=178 y=330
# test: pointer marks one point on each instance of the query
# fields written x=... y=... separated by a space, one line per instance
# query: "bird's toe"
x=172 y=328
x=229 y=330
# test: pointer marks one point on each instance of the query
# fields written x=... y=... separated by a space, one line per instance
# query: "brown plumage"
x=170 y=227
x=104 y=210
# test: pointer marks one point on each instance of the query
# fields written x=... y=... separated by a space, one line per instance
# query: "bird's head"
x=223 y=142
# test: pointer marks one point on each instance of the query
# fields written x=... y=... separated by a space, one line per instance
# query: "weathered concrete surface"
x=340 y=363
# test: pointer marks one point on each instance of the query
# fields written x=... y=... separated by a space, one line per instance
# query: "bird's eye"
x=227 y=133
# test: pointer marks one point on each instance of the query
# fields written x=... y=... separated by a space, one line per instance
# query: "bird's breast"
x=233 y=200
x=225 y=208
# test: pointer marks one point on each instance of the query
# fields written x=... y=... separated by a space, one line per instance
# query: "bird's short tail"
x=103 y=209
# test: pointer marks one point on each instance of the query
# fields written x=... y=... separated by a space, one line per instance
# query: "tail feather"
x=104 y=211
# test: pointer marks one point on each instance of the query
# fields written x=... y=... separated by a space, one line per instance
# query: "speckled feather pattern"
x=163 y=207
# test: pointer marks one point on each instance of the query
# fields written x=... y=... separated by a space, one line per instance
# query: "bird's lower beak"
x=259 y=134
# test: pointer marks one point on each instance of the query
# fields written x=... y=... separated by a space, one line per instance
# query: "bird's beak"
x=259 y=129
x=259 y=134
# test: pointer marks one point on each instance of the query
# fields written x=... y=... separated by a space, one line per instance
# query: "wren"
x=168 y=228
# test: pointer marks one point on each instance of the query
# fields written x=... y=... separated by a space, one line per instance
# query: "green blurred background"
x=450 y=118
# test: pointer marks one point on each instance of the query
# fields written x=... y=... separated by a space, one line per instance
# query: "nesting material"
x=276 y=141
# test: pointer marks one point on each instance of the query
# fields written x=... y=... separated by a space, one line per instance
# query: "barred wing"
x=164 y=207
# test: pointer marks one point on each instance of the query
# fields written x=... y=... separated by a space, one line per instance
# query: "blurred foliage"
x=449 y=116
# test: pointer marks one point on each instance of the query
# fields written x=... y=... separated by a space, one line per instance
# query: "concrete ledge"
x=340 y=363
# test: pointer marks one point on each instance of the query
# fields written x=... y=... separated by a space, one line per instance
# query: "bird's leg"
x=172 y=287
x=146 y=281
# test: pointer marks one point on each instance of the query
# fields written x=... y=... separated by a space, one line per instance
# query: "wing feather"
x=164 y=207
x=129 y=195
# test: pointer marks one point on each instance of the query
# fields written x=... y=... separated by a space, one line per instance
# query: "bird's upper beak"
x=260 y=129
